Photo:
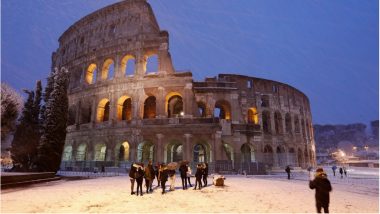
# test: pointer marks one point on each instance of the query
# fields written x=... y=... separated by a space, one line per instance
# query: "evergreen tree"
x=27 y=135
x=54 y=129
x=11 y=106
x=46 y=96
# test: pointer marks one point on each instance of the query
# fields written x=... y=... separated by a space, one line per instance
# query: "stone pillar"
x=160 y=103
x=118 y=71
x=113 y=109
x=159 y=148
x=94 y=108
x=218 y=147
x=188 y=100
x=78 y=112
x=235 y=105
x=275 y=157
x=99 y=68
x=140 y=62
x=272 y=123
x=283 y=123
x=187 y=147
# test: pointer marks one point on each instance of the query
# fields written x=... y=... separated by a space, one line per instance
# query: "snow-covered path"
x=252 y=194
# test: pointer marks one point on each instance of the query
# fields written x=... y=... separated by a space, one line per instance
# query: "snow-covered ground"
x=270 y=193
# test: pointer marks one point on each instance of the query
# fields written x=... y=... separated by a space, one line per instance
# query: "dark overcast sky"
x=327 y=49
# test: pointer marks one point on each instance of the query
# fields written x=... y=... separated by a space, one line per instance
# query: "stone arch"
x=266 y=122
x=201 y=152
x=81 y=152
x=107 y=69
x=174 y=104
x=202 y=109
x=247 y=153
x=122 y=152
x=71 y=115
x=100 y=151
x=91 y=74
x=174 y=151
x=222 y=109
x=299 y=157
x=228 y=151
x=124 y=108
x=67 y=153
x=292 y=157
x=281 y=156
x=128 y=65
x=268 y=155
x=278 y=122
x=151 y=63
x=103 y=111
x=145 y=151
x=150 y=108
x=288 y=123
x=253 y=116
x=296 y=124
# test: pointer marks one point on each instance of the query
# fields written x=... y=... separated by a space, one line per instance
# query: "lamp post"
x=366 y=151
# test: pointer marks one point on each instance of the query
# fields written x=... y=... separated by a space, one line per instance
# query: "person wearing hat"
x=322 y=188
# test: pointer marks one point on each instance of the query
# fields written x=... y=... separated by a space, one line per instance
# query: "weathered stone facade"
x=120 y=113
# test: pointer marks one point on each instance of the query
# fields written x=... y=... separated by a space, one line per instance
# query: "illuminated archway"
x=91 y=74
x=124 y=108
x=247 y=153
x=103 y=110
x=128 y=65
x=100 y=152
x=253 y=117
x=150 y=108
x=123 y=151
x=222 y=110
x=145 y=152
x=174 y=151
x=81 y=152
x=173 y=104
x=107 y=69
x=201 y=109
x=67 y=153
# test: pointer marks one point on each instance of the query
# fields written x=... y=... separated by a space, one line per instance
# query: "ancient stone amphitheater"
x=127 y=103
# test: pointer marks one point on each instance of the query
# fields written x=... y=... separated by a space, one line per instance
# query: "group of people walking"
x=164 y=173
x=342 y=170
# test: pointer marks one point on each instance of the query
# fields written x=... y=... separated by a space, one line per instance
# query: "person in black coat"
x=163 y=177
x=183 y=172
x=287 y=170
x=139 y=179
x=341 y=172
x=205 y=174
x=322 y=188
x=132 y=176
x=198 y=177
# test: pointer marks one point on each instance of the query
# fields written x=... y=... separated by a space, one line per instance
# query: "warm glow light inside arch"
x=100 y=110
x=167 y=98
x=120 y=103
x=90 y=73
x=106 y=67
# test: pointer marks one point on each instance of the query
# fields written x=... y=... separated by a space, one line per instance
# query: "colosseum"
x=127 y=103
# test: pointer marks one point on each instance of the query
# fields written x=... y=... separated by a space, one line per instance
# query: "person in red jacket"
x=322 y=188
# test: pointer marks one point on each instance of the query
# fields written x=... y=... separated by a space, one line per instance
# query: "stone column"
x=234 y=105
x=78 y=112
x=188 y=100
x=275 y=157
x=118 y=71
x=160 y=103
x=218 y=147
x=94 y=109
x=283 y=123
x=140 y=62
x=187 y=147
x=159 y=148
x=113 y=108
x=272 y=123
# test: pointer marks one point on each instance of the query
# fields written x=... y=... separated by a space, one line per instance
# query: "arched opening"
x=281 y=156
x=81 y=152
x=124 y=108
x=268 y=155
x=229 y=152
x=151 y=64
x=202 y=109
x=108 y=69
x=145 y=152
x=253 y=117
x=292 y=157
x=300 y=158
x=150 y=108
x=123 y=152
x=247 y=153
x=67 y=153
x=103 y=110
x=71 y=116
x=278 y=122
x=91 y=74
x=199 y=153
x=265 y=101
x=175 y=106
x=288 y=123
x=266 y=122
x=296 y=125
x=303 y=128
x=128 y=65
x=174 y=151
x=100 y=152
x=222 y=110
x=86 y=114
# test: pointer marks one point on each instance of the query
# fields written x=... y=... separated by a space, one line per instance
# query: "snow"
x=269 y=193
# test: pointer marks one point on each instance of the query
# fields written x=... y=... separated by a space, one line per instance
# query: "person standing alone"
x=287 y=170
x=322 y=188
